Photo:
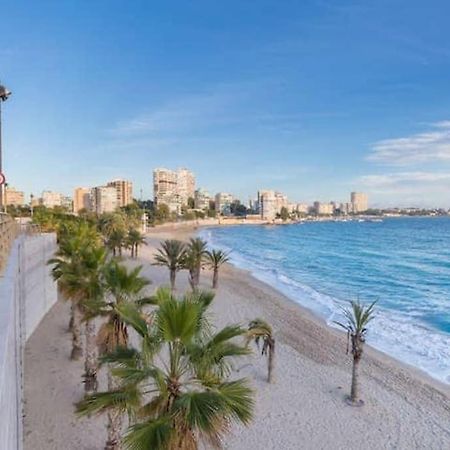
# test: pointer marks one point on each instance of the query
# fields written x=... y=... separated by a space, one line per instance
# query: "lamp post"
x=4 y=94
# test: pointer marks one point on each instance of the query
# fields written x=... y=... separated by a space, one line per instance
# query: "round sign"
x=2 y=179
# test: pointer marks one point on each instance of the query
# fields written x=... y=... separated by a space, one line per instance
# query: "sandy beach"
x=303 y=409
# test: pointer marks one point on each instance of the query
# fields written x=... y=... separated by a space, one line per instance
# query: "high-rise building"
x=124 y=191
x=81 y=199
x=201 y=199
x=51 y=199
x=185 y=185
x=103 y=199
x=66 y=202
x=270 y=203
x=223 y=202
x=165 y=189
x=173 y=188
x=360 y=202
x=267 y=202
x=14 y=197
x=324 y=209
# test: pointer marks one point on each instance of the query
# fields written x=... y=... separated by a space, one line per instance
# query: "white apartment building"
x=103 y=199
x=359 y=201
x=124 y=191
x=267 y=202
x=324 y=209
x=51 y=199
x=223 y=202
x=201 y=199
x=271 y=202
x=185 y=185
x=173 y=188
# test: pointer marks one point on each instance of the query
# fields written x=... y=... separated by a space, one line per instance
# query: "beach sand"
x=304 y=408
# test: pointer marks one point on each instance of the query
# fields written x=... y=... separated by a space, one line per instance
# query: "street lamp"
x=4 y=94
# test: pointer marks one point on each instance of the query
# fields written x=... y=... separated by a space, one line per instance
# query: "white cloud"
x=428 y=147
x=419 y=188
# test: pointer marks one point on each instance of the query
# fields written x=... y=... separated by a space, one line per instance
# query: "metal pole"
x=2 y=187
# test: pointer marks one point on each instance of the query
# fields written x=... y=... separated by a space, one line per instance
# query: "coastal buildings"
x=223 y=202
x=270 y=203
x=359 y=201
x=201 y=199
x=185 y=185
x=50 y=199
x=81 y=199
x=13 y=197
x=267 y=204
x=124 y=191
x=173 y=188
x=323 y=209
x=103 y=199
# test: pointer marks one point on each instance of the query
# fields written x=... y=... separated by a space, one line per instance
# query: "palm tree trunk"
x=173 y=275
x=271 y=358
x=90 y=363
x=215 y=283
x=115 y=419
x=70 y=327
x=136 y=251
x=77 y=351
x=354 y=393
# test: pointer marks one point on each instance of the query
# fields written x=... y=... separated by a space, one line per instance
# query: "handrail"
x=8 y=232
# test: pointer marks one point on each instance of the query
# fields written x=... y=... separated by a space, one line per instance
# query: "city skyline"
x=314 y=99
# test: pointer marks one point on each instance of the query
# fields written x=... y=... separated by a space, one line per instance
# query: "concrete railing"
x=27 y=292
x=8 y=232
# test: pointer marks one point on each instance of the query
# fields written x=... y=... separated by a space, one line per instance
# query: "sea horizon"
x=403 y=263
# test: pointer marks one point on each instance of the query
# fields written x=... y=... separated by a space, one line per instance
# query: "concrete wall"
x=27 y=292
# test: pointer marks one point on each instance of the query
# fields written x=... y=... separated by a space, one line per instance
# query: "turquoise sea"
x=404 y=263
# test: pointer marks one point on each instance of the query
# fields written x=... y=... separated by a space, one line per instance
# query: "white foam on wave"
x=394 y=333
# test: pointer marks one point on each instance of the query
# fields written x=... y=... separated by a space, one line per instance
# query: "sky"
x=312 y=98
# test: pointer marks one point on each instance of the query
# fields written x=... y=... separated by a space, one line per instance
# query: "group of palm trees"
x=168 y=368
x=176 y=256
x=171 y=383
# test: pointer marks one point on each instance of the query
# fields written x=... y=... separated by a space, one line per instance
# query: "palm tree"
x=67 y=268
x=186 y=399
x=123 y=286
x=195 y=254
x=91 y=291
x=135 y=239
x=215 y=259
x=357 y=318
x=259 y=329
x=171 y=254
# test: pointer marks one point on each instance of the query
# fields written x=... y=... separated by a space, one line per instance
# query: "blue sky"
x=313 y=98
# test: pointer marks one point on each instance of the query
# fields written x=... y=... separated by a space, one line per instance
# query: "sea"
x=402 y=263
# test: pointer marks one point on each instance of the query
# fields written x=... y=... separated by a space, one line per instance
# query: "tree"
x=122 y=286
x=135 y=239
x=162 y=213
x=284 y=214
x=171 y=254
x=113 y=226
x=259 y=329
x=91 y=291
x=195 y=255
x=67 y=269
x=215 y=259
x=357 y=318
x=183 y=397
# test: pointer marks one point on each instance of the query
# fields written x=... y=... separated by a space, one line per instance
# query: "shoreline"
x=184 y=233
x=303 y=408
